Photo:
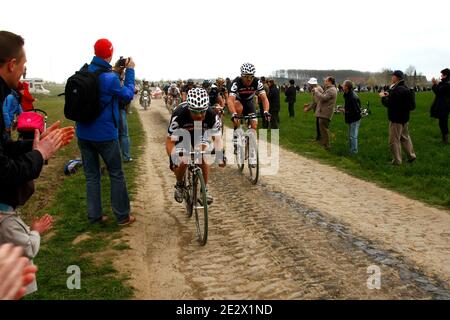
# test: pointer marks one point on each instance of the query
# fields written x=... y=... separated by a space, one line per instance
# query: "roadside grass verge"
x=427 y=179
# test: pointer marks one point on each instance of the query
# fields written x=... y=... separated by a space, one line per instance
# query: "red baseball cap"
x=103 y=48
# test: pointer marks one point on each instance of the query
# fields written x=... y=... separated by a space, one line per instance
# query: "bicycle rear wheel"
x=200 y=206
x=252 y=158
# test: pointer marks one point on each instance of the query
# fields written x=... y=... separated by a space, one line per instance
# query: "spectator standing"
x=11 y=109
x=274 y=102
x=326 y=103
x=265 y=123
x=27 y=99
x=399 y=102
x=124 y=137
x=441 y=105
x=291 y=98
x=101 y=138
x=352 y=115
x=314 y=85
x=21 y=162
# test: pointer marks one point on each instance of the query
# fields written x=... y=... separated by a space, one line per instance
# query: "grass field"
x=428 y=179
x=65 y=199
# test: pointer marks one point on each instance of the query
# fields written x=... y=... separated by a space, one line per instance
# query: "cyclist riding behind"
x=196 y=110
x=173 y=94
x=242 y=94
x=185 y=89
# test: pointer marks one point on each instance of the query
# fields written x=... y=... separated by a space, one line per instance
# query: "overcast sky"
x=205 y=39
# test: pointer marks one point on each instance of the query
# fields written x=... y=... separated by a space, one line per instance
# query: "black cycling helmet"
x=206 y=84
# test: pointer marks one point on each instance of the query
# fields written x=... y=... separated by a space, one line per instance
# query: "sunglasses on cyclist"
x=198 y=112
x=248 y=77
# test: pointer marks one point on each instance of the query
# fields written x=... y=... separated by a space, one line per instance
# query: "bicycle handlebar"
x=254 y=116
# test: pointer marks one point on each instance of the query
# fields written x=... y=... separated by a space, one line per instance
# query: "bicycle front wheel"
x=200 y=207
x=188 y=194
x=253 y=158
x=239 y=150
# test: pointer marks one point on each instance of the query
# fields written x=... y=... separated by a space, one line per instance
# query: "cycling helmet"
x=206 y=84
x=173 y=85
x=198 y=100
x=248 y=69
x=190 y=81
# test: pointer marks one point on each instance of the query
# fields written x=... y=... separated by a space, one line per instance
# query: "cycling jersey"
x=242 y=92
x=175 y=92
x=186 y=89
x=181 y=119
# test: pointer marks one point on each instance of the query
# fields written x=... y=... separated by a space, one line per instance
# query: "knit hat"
x=103 y=49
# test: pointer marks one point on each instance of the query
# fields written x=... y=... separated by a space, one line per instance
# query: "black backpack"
x=82 y=96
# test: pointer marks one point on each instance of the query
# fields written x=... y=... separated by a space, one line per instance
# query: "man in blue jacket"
x=11 y=109
x=101 y=137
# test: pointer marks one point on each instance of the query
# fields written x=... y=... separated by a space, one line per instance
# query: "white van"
x=37 y=86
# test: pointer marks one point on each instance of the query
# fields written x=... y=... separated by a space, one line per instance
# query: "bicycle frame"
x=246 y=147
x=193 y=177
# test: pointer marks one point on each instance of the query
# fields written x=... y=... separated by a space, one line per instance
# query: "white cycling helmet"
x=198 y=100
x=173 y=85
x=248 y=69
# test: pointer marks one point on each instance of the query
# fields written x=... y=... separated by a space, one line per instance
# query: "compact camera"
x=122 y=61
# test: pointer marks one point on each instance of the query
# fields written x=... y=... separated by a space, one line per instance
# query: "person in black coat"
x=441 y=105
x=291 y=98
x=21 y=161
x=352 y=114
x=399 y=102
x=274 y=101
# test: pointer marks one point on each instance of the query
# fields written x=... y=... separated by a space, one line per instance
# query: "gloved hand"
x=235 y=119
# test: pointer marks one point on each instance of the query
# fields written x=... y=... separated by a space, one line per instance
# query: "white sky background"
x=205 y=39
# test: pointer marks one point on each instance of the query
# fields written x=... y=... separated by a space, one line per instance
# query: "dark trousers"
x=265 y=124
x=292 y=110
x=318 y=136
x=91 y=151
x=443 y=125
x=274 y=120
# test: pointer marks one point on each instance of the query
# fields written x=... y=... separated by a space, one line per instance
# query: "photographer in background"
x=101 y=138
x=441 y=105
x=399 y=102
x=313 y=85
